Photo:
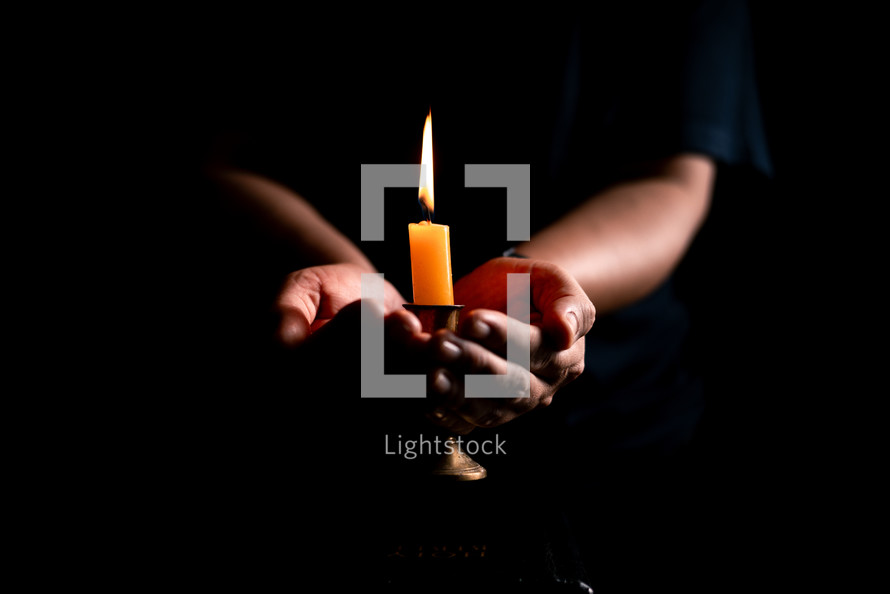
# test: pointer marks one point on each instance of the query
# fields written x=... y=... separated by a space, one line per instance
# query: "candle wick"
x=427 y=213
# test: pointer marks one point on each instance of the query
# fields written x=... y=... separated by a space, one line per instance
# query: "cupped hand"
x=561 y=314
x=312 y=297
x=559 y=306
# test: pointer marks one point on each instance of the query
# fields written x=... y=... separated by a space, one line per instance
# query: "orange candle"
x=430 y=243
x=431 y=263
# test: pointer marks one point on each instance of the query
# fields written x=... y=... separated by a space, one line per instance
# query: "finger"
x=484 y=327
x=335 y=335
x=402 y=325
x=557 y=368
x=451 y=410
x=298 y=302
x=447 y=395
x=567 y=318
x=489 y=328
x=404 y=340
x=463 y=357
x=463 y=414
x=566 y=312
x=466 y=357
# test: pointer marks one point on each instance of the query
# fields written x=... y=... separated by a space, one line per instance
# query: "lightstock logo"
x=516 y=382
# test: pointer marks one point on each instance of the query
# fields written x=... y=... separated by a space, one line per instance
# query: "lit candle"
x=430 y=243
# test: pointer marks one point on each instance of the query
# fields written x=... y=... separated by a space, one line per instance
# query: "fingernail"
x=441 y=384
x=408 y=326
x=479 y=329
x=448 y=351
x=573 y=321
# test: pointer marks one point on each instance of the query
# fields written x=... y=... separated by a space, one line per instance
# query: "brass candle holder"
x=454 y=463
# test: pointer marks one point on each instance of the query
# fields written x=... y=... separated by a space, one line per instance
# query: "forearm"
x=290 y=217
x=622 y=243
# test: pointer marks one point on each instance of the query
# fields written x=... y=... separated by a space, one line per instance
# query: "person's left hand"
x=561 y=314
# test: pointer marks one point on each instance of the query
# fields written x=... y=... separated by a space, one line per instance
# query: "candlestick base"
x=454 y=464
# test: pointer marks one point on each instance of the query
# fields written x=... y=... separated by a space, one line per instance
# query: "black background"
x=775 y=340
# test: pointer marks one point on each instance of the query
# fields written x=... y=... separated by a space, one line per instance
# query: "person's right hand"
x=319 y=315
x=312 y=297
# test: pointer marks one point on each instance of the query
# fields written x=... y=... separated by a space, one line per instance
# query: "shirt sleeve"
x=687 y=83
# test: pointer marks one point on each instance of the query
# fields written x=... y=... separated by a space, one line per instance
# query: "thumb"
x=568 y=319
x=298 y=303
x=566 y=312
x=293 y=330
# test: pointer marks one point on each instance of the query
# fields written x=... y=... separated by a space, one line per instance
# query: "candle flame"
x=425 y=193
